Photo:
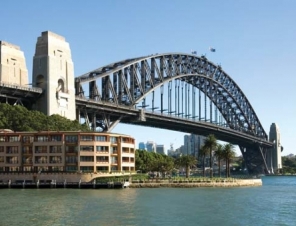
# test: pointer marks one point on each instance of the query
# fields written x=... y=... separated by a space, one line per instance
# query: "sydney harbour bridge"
x=174 y=91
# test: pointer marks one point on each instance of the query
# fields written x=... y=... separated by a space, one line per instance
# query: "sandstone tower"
x=13 y=69
x=53 y=71
x=274 y=159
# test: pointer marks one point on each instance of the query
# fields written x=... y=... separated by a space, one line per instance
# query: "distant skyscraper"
x=151 y=146
x=160 y=149
x=192 y=144
x=142 y=146
x=187 y=145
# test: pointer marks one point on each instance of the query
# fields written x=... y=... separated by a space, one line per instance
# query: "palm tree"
x=219 y=155
x=228 y=154
x=187 y=161
x=211 y=144
x=203 y=151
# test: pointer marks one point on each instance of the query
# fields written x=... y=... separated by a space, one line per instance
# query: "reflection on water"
x=272 y=204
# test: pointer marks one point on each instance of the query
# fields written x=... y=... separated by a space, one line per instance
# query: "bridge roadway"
x=254 y=149
x=24 y=95
x=10 y=93
x=131 y=115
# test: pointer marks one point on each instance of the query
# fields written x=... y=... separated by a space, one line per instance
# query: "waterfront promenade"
x=89 y=180
x=192 y=183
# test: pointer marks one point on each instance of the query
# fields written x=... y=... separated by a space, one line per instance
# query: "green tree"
x=219 y=156
x=144 y=161
x=151 y=161
x=211 y=143
x=186 y=161
x=19 y=118
x=228 y=154
x=202 y=154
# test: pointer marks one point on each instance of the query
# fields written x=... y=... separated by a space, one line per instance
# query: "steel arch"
x=122 y=80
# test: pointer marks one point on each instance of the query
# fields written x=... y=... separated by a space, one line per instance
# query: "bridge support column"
x=274 y=156
x=53 y=71
x=94 y=122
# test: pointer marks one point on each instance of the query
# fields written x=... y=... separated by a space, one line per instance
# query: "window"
x=41 y=149
x=86 y=148
x=2 y=138
x=27 y=150
x=125 y=159
x=86 y=138
x=125 y=150
x=113 y=140
x=55 y=149
x=86 y=158
x=56 y=138
x=102 y=168
x=13 y=139
x=102 y=148
x=41 y=159
x=113 y=149
x=1 y=149
x=71 y=168
x=42 y=138
x=87 y=168
x=57 y=168
x=71 y=149
x=55 y=159
x=101 y=138
x=126 y=140
x=114 y=168
x=102 y=159
x=71 y=138
x=12 y=160
x=12 y=150
x=27 y=160
x=27 y=168
x=71 y=159
x=113 y=160
x=28 y=139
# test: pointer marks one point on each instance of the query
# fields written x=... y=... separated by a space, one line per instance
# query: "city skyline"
x=253 y=43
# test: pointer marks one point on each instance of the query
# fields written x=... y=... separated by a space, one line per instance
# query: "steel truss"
x=186 y=77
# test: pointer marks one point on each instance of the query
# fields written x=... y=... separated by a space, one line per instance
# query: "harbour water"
x=274 y=203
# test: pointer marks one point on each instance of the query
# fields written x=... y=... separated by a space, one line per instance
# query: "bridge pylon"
x=274 y=157
x=53 y=71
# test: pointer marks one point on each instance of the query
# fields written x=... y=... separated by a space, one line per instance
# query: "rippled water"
x=272 y=204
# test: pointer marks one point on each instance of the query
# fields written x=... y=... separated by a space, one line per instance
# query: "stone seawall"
x=189 y=184
x=59 y=176
x=34 y=177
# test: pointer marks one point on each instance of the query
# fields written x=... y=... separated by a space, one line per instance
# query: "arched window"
x=61 y=86
x=40 y=81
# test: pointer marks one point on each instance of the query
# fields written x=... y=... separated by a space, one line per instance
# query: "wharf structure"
x=64 y=155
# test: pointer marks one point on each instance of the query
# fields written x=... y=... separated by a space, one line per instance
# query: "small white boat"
x=126 y=184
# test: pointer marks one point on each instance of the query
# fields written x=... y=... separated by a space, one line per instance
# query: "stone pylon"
x=274 y=157
x=53 y=71
x=13 y=69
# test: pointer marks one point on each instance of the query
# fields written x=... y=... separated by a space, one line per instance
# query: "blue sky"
x=254 y=41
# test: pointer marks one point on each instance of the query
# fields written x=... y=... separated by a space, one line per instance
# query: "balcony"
x=12 y=162
x=41 y=162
